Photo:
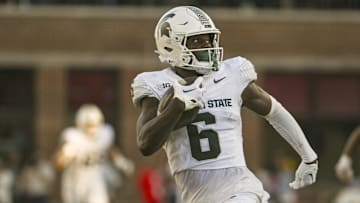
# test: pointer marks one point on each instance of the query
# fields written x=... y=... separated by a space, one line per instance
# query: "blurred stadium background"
x=57 y=54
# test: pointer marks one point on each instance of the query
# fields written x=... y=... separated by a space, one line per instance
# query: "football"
x=164 y=101
x=188 y=116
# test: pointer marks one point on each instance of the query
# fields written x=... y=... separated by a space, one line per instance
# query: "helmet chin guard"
x=171 y=34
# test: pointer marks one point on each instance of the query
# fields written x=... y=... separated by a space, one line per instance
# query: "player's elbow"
x=145 y=147
x=146 y=150
x=151 y=140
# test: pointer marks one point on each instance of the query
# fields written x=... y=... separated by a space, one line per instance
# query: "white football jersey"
x=214 y=140
x=88 y=150
x=83 y=180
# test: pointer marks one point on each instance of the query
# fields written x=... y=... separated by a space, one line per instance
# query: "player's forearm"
x=187 y=118
x=285 y=124
x=155 y=132
x=352 y=143
x=61 y=161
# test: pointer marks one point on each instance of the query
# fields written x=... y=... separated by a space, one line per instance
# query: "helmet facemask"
x=203 y=60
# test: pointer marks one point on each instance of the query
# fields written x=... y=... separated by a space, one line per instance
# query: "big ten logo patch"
x=164 y=85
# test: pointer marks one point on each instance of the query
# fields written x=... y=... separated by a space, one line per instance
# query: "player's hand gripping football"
x=344 y=169
x=191 y=95
x=305 y=175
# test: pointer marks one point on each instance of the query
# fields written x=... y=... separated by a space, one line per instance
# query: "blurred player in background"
x=36 y=179
x=343 y=168
x=82 y=154
x=200 y=125
x=7 y=181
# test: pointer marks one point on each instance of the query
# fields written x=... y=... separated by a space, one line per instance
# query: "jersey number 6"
x=210 y=135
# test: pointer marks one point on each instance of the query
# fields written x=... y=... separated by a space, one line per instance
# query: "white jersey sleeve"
x=107 y=135
x=70 y=139
x=70 y=135
x=242 y=69
x=140 y=89
x=152 y=84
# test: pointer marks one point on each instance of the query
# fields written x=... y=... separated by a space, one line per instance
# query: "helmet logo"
x=165 y=29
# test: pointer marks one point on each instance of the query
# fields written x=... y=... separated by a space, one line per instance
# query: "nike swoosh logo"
x=216 y=81
x=189 y=90
x=184 y=23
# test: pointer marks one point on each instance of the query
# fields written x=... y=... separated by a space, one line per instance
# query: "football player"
x=82 y=154
x=343 y=167
x=205 y=147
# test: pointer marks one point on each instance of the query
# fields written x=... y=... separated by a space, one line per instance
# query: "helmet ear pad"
x=187 y=59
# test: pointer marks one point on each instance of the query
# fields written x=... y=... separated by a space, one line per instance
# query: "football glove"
x=305 y=175
x=125 y=165
x=343 y=168
x=191 y=95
